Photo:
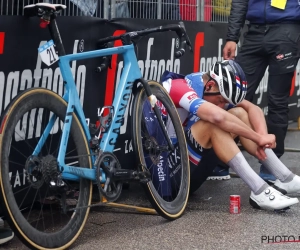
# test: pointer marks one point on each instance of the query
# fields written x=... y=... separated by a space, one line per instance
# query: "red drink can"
x=235 y=204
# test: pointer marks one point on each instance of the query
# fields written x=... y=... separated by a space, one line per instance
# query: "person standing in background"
x=272 y=40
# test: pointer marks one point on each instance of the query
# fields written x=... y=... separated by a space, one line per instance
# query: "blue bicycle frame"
x=130 y=73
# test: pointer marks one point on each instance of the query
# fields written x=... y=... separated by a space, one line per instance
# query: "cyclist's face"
x=218 y=100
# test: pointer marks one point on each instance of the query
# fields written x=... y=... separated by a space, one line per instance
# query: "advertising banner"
x=21 y=66
x=155 y=53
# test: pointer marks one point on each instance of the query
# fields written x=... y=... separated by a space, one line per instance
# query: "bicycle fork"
x=153 y=100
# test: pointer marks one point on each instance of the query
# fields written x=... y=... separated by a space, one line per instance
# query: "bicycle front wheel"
x=44 y=211
x=169 y=170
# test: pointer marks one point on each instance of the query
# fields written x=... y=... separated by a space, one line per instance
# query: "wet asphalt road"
x=206 y=224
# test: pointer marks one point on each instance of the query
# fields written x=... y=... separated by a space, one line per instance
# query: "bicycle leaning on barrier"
x=45 y=138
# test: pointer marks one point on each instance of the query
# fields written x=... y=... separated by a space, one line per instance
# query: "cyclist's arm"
x=256 y=116
x=226 y=121
x=185 y=97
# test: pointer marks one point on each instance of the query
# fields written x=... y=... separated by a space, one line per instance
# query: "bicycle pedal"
x=123 y=174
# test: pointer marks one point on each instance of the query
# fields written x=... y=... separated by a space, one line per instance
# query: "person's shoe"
x=271 y=199
x=266 y=175
x=219 y=173
x=5 y=235
x=292 y=187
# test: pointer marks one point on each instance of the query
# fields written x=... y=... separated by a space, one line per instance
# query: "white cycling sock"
x=239 y=165
x=276 y=167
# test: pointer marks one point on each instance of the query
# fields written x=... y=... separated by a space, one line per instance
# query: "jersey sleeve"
x=229 y=106
x=184 y=96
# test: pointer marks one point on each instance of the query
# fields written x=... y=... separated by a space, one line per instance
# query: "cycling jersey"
x=187 y=94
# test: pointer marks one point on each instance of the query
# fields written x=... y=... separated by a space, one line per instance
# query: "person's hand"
x=267 y=141
x=229 y=50
x=260 y=153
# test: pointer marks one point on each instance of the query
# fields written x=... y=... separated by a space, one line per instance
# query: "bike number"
x=47 y=53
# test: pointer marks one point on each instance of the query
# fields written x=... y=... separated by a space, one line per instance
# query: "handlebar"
x=178 y=28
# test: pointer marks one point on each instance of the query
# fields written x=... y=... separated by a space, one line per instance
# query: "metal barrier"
x=220 y=10
x=189 y=10
x=74 y=7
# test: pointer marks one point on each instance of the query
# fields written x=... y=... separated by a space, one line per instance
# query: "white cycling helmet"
x=231 y=80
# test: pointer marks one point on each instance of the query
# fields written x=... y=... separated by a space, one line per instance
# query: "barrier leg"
x=298 y=126
x=130 y=207
x=104 y=202
x=294 y=129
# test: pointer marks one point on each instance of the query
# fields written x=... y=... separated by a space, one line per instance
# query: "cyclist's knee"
x=203 y=127
x=203 y=131
x=239 y=112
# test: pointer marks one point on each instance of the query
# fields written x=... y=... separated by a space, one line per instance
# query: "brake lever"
x=188 y=41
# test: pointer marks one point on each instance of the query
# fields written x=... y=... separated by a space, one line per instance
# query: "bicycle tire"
x=173 y=208
x=20 y=221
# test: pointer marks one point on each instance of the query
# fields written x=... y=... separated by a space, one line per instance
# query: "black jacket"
x=236 y=19
x=259 y=12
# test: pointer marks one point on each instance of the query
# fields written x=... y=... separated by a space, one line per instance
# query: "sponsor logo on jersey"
x=192 y=96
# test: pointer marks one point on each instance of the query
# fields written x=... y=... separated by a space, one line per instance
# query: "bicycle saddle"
x=33 y=9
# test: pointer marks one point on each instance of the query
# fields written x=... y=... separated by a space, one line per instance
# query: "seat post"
x=55 y=35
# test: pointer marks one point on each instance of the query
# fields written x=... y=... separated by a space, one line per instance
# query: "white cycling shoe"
x=271 y=199
x=292 y=187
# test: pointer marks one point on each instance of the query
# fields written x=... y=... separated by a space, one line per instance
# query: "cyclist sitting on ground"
x=201 y=99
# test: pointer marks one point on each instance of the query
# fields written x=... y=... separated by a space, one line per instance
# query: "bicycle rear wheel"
x=42 y=215
x=169 y=170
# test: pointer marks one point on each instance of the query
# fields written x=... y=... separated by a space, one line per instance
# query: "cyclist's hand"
x=267 y=141
x=229 y=50
x=260 y=153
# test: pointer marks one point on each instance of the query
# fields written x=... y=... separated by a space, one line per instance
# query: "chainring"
x=108 y=163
